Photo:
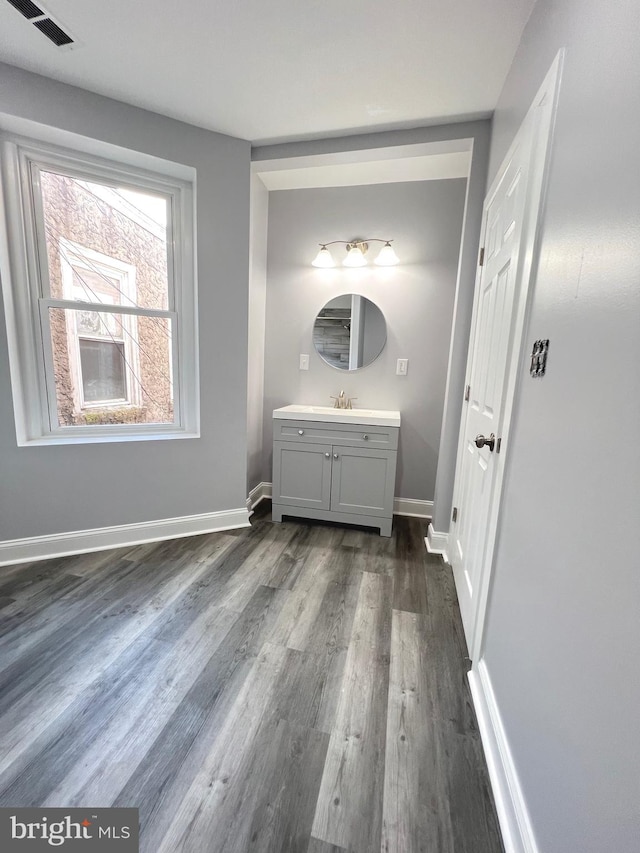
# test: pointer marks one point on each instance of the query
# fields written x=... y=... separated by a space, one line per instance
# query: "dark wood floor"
x=290 y=688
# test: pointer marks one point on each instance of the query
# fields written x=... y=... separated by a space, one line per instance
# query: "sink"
x=370 y=417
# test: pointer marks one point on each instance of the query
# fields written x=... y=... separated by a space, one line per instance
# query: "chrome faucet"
x=343 y=402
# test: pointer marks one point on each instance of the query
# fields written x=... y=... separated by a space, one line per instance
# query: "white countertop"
x=369 y=417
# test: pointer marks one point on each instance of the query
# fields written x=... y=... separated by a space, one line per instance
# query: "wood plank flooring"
x=288 y=688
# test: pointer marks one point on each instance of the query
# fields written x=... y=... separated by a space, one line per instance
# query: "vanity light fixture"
x=356 y=250
x=387 y=256
x=323 y=259
x=355 y=255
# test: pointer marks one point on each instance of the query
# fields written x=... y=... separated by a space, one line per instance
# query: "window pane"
x=102 y=366
x=111 y=368
x=114 y=239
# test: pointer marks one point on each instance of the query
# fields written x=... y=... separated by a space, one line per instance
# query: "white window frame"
x=27 y=297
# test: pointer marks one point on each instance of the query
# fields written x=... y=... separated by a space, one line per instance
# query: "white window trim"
x=25 y=297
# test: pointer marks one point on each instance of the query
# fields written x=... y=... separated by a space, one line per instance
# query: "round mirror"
x=349 y=332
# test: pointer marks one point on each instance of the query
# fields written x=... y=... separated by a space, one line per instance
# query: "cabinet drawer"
x=347 y=435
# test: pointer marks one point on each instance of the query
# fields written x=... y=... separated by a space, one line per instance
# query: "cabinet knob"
x=365 y=437
x=327 y=454
x=300 y=432
x=335 y=455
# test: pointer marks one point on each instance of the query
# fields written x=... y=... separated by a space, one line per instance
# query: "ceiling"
x=278 y=70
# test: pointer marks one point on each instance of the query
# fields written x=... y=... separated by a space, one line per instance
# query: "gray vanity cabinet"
x=335 y=472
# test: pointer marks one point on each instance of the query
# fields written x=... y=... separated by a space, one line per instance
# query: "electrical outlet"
x=402 y=367
x=304 y=362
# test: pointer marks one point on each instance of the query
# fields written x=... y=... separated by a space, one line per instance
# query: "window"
x=102 y=377
x=101 y=298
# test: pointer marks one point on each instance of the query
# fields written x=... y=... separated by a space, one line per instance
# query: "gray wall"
x=257 y=320
x=563 y=631
x=460 y=330
x=416 y=297
x=46 y=490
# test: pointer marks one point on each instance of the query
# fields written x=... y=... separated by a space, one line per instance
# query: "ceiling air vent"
x=53 y=32
x=44 y=21
x=27 y=8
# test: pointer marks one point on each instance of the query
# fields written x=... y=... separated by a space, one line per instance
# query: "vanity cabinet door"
x=302 y=474
x=363 y=481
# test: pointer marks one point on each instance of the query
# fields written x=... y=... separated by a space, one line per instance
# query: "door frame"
x=539 y=122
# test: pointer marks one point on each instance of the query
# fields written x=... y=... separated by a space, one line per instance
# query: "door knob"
x=300 y=432
x=327 y=454
x=490 y=442
x=335 y=455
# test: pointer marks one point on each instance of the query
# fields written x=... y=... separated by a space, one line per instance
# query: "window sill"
x=112 y=438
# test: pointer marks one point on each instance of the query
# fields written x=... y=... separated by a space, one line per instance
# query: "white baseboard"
x=437 y=543
x=413 y=508
x=258 y=493
x=401 y=506
x=517 y=832
x=119 y=536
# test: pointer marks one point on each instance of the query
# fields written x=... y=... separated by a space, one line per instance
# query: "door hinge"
x=454 y=514
x=467 y=393
x=481 y=258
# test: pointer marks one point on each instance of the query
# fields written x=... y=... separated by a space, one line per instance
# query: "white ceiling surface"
x=281 y=69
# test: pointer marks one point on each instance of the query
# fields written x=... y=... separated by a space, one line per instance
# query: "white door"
x=509 y=228
x=486 y=376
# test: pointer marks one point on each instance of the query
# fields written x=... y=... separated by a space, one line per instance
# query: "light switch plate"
x=304 y=362
x=402 y=367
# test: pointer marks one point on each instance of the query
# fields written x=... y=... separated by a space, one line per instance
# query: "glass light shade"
x=387 y=256
x=355 y=257
x=323 y=259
